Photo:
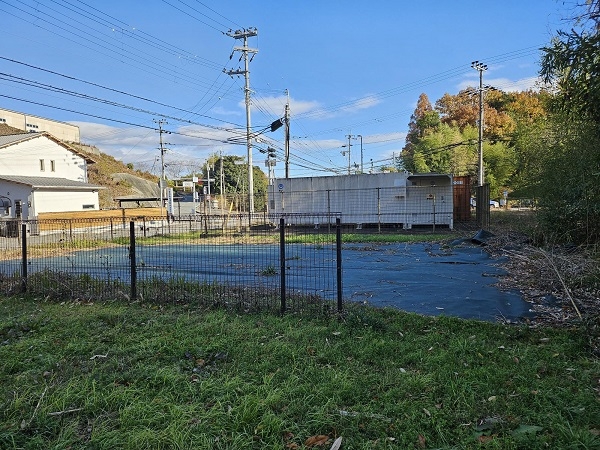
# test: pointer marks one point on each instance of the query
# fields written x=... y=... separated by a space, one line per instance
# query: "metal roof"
x=14 y=138
x=49 y=182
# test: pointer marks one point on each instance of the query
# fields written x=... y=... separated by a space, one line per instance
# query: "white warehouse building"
x=365 y=199
x=34 y=124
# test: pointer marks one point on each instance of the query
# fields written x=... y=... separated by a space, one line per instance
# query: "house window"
x=29 y=125
x=52 y=166
x=2 y=120
x=42 y=165
x=88 y=206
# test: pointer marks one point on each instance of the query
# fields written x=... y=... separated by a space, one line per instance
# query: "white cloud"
x=504 y=84
x=276 y=105
x=137 y=145
x=362 y=103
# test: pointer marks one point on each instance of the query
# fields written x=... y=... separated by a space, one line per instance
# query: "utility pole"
x=222 y=183
x=245 y=34
x=362 y=167
x=162 y=182
x=287 y=135
x=480 y=67
x=208 y=198
x=349 y=136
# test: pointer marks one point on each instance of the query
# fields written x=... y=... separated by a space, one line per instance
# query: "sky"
x=352 y=72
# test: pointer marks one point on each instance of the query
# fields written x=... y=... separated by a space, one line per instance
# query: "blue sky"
x=349 y=68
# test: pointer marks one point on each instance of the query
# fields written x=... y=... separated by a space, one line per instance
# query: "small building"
x=40 y=173
x=366 y=199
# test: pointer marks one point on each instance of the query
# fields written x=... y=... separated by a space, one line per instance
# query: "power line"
x=193 y=17
x=115 y=90
x=223 y=141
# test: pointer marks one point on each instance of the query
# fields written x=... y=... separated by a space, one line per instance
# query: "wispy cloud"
x=193 y=142
x=362 y=103
x=505 y=84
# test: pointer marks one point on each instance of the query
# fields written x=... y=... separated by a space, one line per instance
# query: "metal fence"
x=242 y=262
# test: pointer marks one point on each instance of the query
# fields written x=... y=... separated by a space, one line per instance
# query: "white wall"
x=16 y=192
x=64 y=201
x=24 y=159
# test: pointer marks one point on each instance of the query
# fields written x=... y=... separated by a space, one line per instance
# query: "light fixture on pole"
x=480 y=67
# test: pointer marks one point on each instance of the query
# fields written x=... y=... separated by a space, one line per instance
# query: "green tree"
x=235 y=186
x=569 y=178
x=572 y=64
x=423 y=120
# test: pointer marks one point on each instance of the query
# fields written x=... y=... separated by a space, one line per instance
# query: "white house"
x=40 y=173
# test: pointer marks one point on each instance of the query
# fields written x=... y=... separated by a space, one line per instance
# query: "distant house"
x=40 y=173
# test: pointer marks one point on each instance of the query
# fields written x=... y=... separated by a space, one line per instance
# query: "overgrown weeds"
x=562 y=282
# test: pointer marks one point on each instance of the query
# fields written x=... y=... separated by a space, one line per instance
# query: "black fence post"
x=132 y=260
x=24 y=258
x=282 y=261
x=338 y=246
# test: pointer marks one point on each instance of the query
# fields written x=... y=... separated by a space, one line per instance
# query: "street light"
x=480 y=67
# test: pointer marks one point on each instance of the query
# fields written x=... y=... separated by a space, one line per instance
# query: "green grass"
x=112 y=376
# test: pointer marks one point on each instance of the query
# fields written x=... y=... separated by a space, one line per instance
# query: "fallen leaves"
x=317 y=441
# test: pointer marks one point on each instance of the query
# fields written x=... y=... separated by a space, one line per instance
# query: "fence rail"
x=233 y=261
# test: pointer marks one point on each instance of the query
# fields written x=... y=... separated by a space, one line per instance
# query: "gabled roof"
x=50 y=182
x=13 y=139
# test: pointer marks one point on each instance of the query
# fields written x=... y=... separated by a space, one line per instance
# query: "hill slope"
x=118 y=178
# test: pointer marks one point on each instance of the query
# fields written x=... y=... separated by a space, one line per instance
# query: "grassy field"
x=117 y=376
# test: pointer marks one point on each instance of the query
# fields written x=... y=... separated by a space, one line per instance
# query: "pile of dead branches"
x=562 y=284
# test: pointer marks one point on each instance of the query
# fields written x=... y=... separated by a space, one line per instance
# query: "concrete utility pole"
x=222 y=177
x=245 y=34
x=162 y=182
x=287 y=135
x=362 y=167
x=349 y=136
x=480 y=67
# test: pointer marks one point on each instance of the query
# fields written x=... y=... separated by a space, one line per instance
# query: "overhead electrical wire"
x=32 y=83
x=138 y=35
x=193 y=17
x=129 y=57
x=223 y=141
x=116 y=91
x=264 y=110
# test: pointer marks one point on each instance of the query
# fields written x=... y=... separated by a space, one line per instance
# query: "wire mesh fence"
x=242 y=262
